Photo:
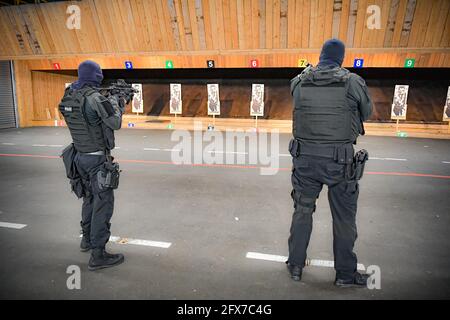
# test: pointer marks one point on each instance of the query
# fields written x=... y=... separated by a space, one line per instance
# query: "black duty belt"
x=340 y=153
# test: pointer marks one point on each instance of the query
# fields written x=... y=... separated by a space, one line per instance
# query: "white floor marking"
x=151 y=149
x=139 y=242
x=370 y=158
x=446 y=162
x=8 y=144
x=227 y=152
x=387 y=159
x=12 y=225
x=159 y=149
x=48 y=145
x=309 y=262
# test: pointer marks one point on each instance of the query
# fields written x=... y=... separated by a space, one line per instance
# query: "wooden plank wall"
x=279 y=58
x=132 y=26
x=48 y=88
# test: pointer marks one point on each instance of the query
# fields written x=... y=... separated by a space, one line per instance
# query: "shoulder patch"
x=107 y=106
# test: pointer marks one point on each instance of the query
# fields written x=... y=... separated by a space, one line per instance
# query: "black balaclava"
x=332 y=54
x=89 y=73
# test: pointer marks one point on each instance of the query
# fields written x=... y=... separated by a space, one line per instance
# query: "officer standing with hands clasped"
x=92 y=119
x=330 y=105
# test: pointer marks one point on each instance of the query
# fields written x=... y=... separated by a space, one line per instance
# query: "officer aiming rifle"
x=92 y=115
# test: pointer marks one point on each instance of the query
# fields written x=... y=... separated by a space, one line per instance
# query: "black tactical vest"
x=321 y=112
x=86 y=137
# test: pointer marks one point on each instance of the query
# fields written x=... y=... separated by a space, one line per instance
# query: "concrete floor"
x=213 y=216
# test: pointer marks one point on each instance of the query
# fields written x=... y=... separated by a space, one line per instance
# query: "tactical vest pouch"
x=68 y=157
x=108 y=135
x=108 y=176
x=76 y=182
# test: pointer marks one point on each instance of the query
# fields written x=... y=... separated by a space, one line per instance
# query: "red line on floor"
x=27 y=155
x=382 y=173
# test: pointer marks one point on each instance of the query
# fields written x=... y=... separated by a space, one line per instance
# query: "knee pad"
x=303 y=201
x=304 y=207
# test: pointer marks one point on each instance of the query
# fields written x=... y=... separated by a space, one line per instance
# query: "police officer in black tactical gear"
x=92 y=118
x=330 y=106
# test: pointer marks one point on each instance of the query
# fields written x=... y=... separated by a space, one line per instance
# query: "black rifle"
x=120 y=89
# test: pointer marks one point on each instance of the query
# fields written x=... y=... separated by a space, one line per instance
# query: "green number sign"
x=409 y=63
x=169 y=64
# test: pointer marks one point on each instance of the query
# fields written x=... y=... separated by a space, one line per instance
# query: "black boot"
x=101 y=259
x=85 y=244
x=295 y=271
x=358 y=280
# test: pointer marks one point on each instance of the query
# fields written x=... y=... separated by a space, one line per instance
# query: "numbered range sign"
x=302 y=63
x=138 y=102
x=176 y=104
x=128 y=65
x=56 y=66
x=446 y=116
x=169 y=64
x=254 y=63
x=213 y=99
x=409 y=63
x=257 y=102
x=399 y=105
x=358 y=63
x=210 y=64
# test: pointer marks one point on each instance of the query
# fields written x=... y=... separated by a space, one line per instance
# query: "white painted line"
x=151 y=149
x=370 y=158
x=158 y=149
x=448 y=162
x=309 y=262
x=387 y=159
x=12 y=225
x=48 y=145
x=227 y=152
x=139 y=242
x=172 y=150
x=8 y=144
x=267 y=257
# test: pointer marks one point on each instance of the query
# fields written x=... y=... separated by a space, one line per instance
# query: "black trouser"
x=309 y=174
x=98 y=205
